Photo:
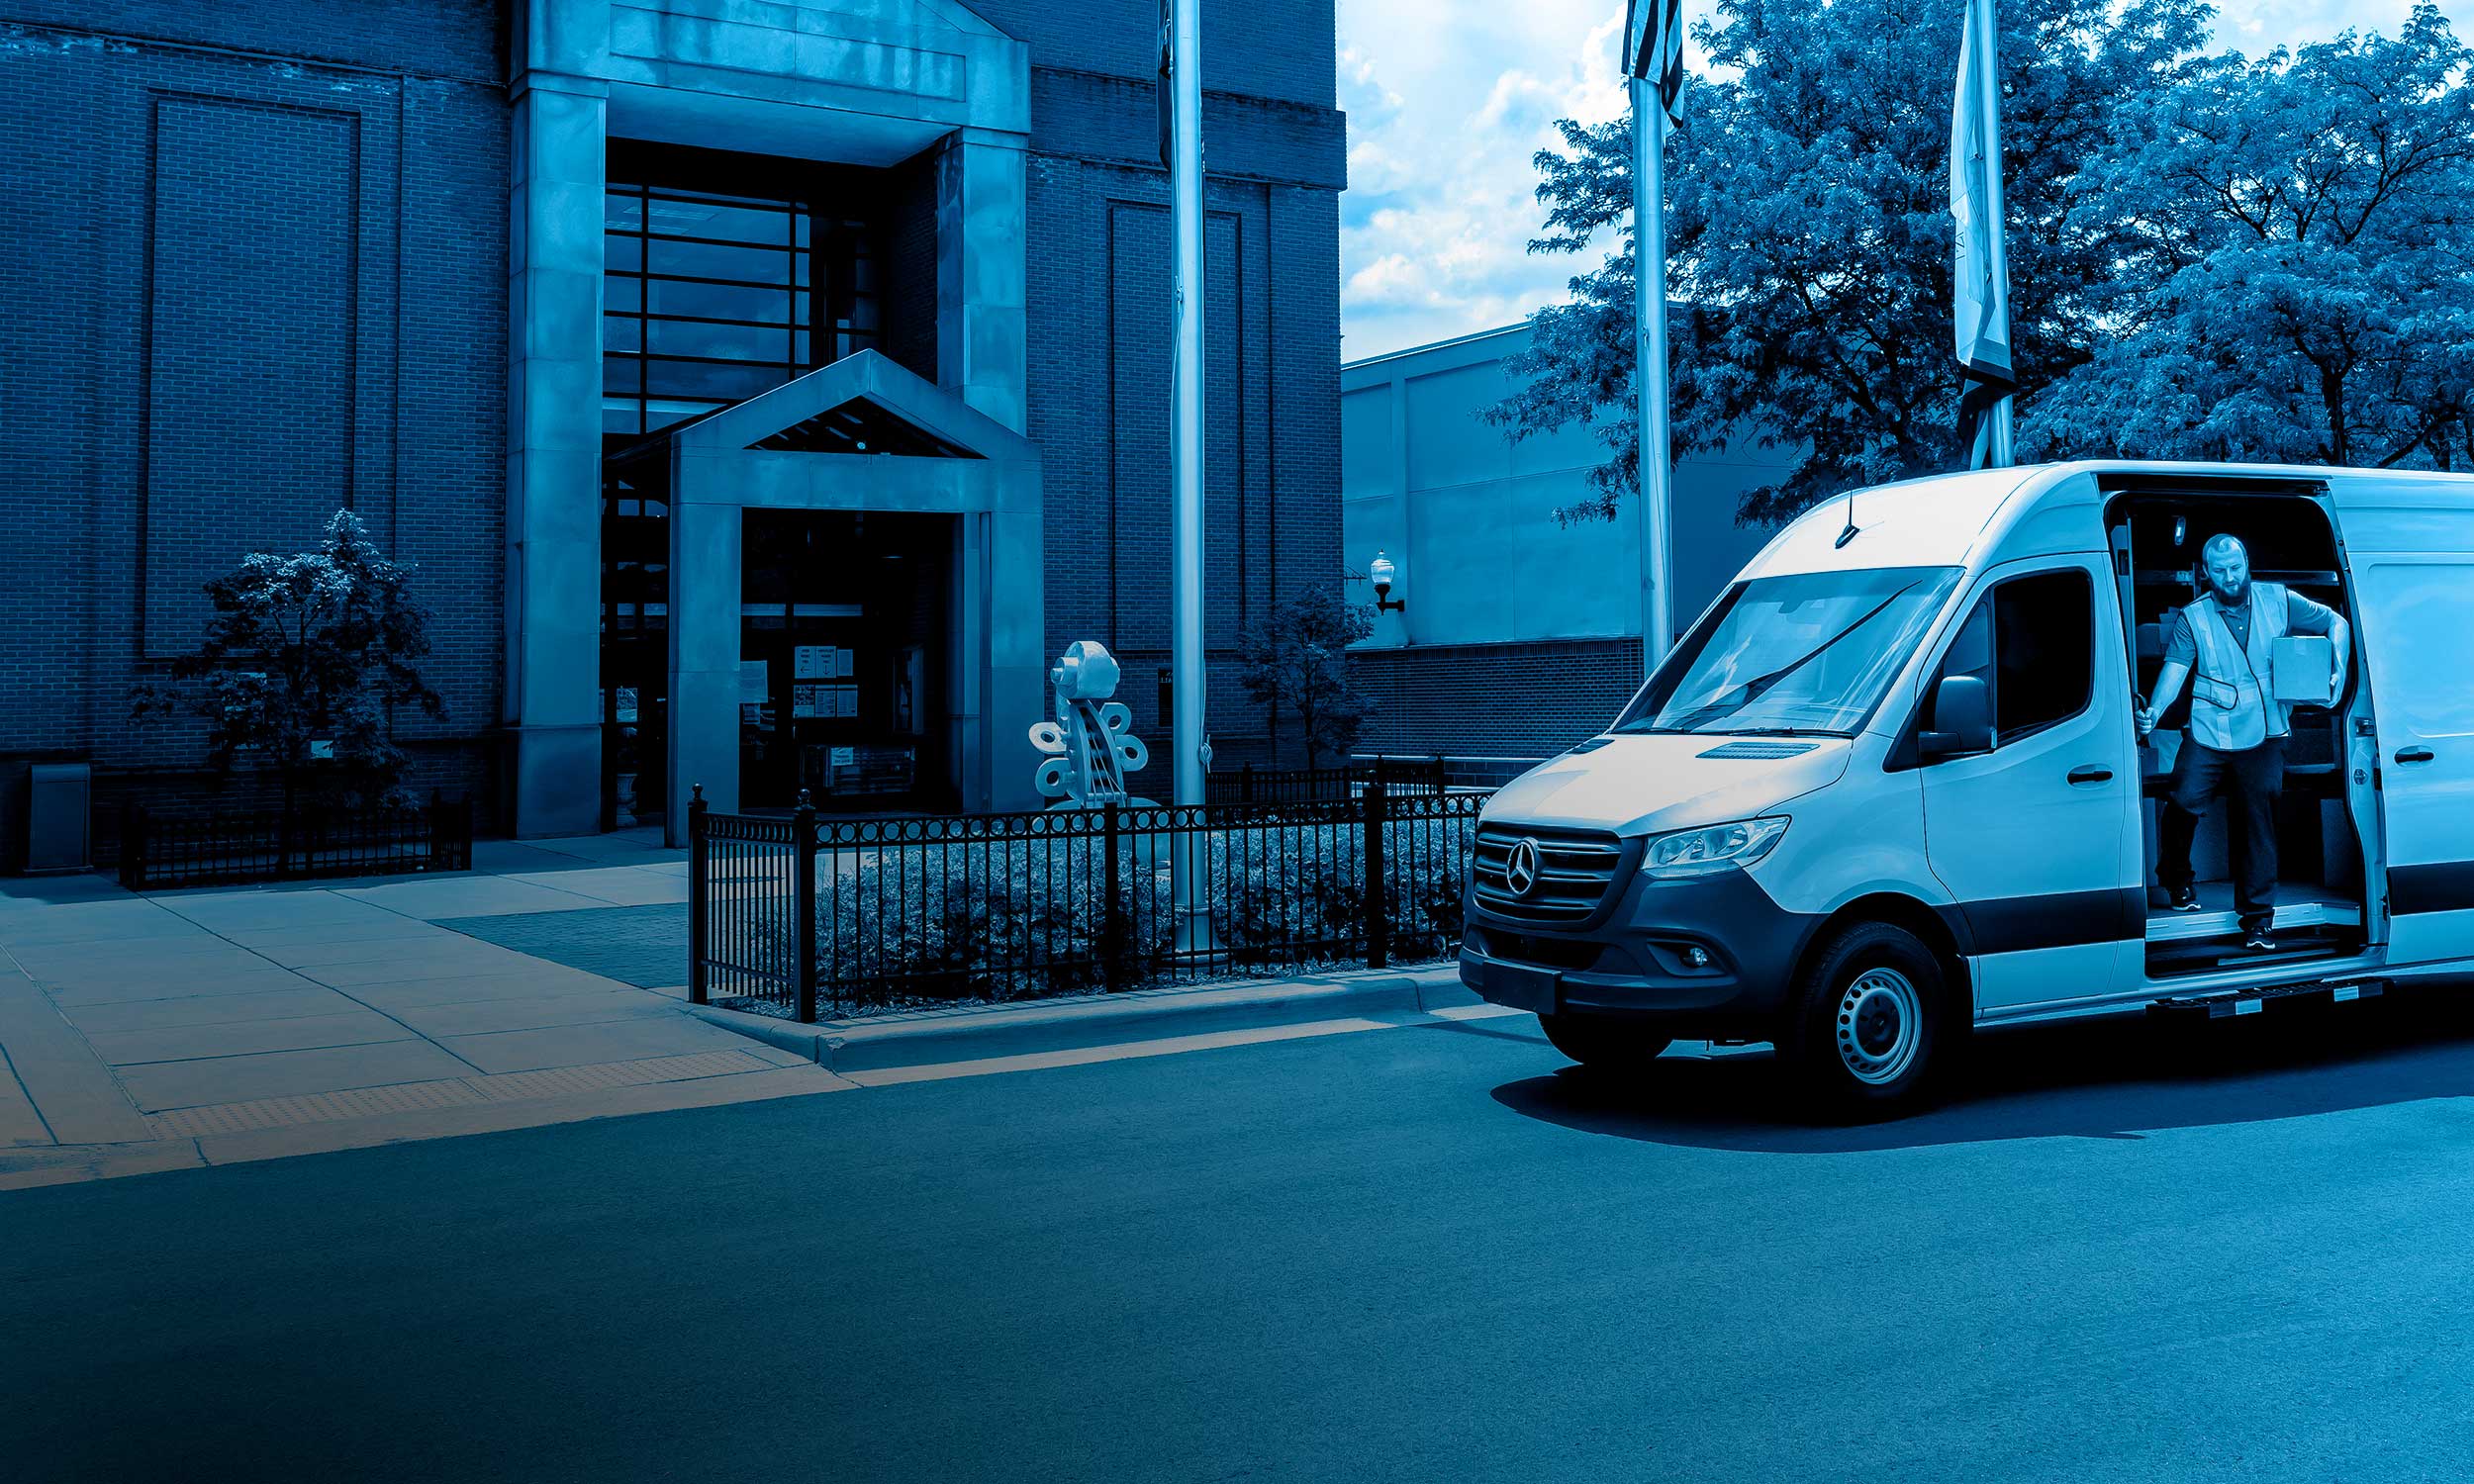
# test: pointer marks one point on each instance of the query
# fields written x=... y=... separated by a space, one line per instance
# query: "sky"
x=1448 y=99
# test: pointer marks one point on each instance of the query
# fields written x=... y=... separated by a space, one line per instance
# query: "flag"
x=1980 y=278
x=1168 y=92
x=1654 y=48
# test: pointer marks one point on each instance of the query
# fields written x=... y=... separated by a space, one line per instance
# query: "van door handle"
x=2413 y=754
x=2091 y=774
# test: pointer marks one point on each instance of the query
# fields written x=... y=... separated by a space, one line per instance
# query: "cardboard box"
x=2302 y=668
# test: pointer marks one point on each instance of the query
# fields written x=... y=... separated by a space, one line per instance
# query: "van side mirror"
x=1962 y=719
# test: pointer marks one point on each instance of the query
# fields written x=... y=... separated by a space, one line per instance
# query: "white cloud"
x=1449 y=99
x=1447 y=102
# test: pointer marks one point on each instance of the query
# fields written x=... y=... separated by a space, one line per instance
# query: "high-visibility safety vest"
x=2230 y=707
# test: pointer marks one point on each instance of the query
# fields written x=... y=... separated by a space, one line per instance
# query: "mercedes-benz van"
x=1890 y=785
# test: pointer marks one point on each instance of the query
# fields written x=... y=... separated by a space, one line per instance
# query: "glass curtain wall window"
x=713 y=298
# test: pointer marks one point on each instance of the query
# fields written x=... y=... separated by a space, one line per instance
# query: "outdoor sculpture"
x=1090 y=746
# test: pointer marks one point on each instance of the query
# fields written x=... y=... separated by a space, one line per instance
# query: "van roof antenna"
x=1847 y=534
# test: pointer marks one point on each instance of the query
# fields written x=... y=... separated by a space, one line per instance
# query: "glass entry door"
x=844 y=658
x=635 y=642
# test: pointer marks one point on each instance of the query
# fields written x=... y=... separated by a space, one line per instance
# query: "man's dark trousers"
x=2250 y=781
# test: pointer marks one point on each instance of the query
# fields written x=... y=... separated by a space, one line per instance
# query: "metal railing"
x=805 y=912
x=1287 y=785
x=158 y=851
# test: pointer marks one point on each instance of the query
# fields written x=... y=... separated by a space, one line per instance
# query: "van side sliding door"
x=2418 y=614
x=2037 y=839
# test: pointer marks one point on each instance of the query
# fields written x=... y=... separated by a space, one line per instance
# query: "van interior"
x=2329 y=811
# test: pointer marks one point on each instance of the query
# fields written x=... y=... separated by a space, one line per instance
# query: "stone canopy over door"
x=862 y=434
x=865 y=84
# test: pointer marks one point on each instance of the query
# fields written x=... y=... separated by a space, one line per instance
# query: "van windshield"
x=1809 y=652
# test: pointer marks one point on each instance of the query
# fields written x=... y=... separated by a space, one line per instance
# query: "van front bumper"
x=1634 y=959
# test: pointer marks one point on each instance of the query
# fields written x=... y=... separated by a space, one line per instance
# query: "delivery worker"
x=2236 y=739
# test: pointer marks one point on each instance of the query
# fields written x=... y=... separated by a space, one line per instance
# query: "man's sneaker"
x=2257 y=941
x=2183 y=899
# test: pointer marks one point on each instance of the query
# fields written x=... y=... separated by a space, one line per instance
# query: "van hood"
x=1649 y=783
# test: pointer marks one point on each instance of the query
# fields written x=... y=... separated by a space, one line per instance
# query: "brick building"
x=765 y=390
x=1518 y=635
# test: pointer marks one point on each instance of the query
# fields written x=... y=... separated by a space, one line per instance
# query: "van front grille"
x=1571 y=873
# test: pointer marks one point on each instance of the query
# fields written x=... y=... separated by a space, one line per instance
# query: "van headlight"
x=1716 y=847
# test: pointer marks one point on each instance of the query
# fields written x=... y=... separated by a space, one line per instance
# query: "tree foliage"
x=2295 y=278
x=2197 y=245
x=1298 y=661
x=302 y=659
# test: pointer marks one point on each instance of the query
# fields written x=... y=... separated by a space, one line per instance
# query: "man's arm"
x=2340 y=640
x=2169 y=688
x=2181 y=651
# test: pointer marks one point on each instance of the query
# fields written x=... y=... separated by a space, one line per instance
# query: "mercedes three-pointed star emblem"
x=1520 y=868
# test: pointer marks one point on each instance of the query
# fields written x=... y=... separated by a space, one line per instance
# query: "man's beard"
x=2231 y=598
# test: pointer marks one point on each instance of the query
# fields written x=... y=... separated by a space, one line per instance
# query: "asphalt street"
x=1419 y=1254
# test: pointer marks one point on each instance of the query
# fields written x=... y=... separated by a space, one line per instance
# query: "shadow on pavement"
x=2099 y=1080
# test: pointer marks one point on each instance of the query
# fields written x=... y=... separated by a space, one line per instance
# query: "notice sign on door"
x=820 y=662
x=754 y=688
x=823 y=701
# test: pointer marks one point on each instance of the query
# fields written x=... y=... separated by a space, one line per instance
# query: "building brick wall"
x=255 y=269
x=1530 y=699
x=255 y=272
x=1099 y=380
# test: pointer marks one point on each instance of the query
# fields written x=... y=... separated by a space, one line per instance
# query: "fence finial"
x=695 y=792
x=804 y=800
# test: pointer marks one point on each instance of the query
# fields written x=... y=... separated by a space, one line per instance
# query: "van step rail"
x=2223 y=1002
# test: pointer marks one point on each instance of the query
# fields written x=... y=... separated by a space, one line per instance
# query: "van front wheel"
x=1867 y=1024
x=1601 y=1044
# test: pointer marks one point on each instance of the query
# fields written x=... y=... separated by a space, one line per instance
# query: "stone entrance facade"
x=273 y=260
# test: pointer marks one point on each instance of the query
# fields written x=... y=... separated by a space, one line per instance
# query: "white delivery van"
x=1889 y=787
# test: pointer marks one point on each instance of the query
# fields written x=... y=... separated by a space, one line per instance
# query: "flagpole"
x=1650 y=373
x=1989 y=94
x=1185 y=451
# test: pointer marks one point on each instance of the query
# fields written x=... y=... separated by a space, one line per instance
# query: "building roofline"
x=1409 y=350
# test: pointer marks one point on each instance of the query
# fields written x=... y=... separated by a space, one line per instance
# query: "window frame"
x=832 y=240
x=1906 y=754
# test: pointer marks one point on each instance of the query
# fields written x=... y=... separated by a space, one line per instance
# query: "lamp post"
x=1190 y=750
x=1384 y=574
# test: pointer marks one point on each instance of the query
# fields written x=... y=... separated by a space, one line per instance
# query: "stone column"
x=553 y=453
x=705 y=590
x=982 y=225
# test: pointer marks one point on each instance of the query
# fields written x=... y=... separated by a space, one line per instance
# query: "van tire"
x=1868 y=1026
x=1603 y=1044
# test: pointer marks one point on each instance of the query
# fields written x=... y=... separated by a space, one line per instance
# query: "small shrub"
x=1001 y=919
x=1015 y=918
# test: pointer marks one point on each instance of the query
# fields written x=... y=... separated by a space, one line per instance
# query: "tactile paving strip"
x=452 y=1092
x=559 y=1081
x=316 y=1107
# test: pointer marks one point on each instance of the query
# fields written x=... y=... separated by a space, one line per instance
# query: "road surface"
x=1417 y=1254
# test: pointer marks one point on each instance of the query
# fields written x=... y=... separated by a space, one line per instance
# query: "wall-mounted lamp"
x=1383 y=572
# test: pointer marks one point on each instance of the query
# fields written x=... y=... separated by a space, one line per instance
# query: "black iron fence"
x=809 y=913
x=1402 y=777
x=159 y=851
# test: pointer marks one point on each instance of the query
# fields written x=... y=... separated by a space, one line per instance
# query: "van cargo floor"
x=2298 y=907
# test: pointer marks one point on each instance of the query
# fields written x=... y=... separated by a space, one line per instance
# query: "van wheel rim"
x=1878 y=1021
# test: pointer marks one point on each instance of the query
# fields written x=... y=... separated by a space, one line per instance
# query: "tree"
x=301 y=661
x=1809 y=233
x=1299 y=661
x=2296 y=277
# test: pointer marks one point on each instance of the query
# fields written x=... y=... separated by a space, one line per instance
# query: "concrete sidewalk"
x=197 y=1027
x=212 y=1026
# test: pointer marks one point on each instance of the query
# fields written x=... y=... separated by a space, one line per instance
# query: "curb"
x=973 y=1033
